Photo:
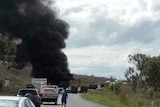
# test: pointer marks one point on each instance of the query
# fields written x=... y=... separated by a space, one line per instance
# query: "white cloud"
x=103 y=33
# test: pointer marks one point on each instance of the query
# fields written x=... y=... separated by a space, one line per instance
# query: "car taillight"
x=38 y=97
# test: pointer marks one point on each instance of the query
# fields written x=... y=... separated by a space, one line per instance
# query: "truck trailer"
x=37 y=82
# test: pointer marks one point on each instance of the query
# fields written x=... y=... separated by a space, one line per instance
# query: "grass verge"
x=109 y=99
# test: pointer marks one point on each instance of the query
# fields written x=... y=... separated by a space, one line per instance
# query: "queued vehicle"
x=49 y=93
x=72 y=86
x=60 y=90
x=15 y=101
x=32 y=90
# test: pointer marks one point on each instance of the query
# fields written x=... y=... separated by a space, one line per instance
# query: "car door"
x=29 y=103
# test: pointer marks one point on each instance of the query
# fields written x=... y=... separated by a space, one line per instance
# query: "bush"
x=150 y=92
x=114 y=87
x=140 y=103
x=123 y=98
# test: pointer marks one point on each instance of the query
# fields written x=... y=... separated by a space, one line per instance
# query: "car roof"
x=28 y=89
x=10 y=97
x=23 y=91
x=13 y=101
x=49 y=88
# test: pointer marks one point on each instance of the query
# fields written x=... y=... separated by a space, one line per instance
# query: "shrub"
x=140 y=103
x=123 y=98
x=157 y=103
x=150 y=92
x=114 y=87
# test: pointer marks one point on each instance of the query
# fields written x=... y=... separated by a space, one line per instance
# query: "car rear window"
x=49 y=90
x=24 y=92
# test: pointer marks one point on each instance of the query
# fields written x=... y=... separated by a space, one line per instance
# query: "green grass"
x=19 y=78
x=105 y=97
x=110 y=100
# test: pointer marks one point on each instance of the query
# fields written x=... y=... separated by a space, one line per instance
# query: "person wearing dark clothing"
x=31 y=97
x=64 y=98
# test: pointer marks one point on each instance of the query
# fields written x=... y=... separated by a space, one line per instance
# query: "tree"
x=132 y=77
x=7 y=50
x=149 y=70
x=138 y=60
x=136 y=77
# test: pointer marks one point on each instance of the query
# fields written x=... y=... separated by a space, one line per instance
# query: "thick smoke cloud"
x=42 y=34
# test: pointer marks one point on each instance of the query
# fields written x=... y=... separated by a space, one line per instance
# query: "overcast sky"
x=104 y=32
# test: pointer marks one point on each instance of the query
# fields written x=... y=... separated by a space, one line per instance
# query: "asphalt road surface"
x=74 y=100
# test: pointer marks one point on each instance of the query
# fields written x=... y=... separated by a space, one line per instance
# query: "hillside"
x=87 y=80
x=19 y=78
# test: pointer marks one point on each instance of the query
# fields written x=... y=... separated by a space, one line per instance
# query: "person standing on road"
x=64 y=98
x=31 y=97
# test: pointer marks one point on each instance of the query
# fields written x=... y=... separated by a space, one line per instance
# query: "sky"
x=104 y=32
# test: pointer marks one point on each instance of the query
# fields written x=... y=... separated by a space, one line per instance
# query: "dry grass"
x=19 y=78
x=126 y=98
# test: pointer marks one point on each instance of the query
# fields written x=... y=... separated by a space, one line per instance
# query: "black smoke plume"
x=42 y=37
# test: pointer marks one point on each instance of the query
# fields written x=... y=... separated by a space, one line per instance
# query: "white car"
x=15 y=101
x=23 y=91
x=60 y=90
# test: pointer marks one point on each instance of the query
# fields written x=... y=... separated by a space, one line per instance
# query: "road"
x=74 y=100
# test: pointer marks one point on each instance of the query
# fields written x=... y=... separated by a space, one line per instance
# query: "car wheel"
x=38 y=105
x=41 y=102
x=56 y=103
